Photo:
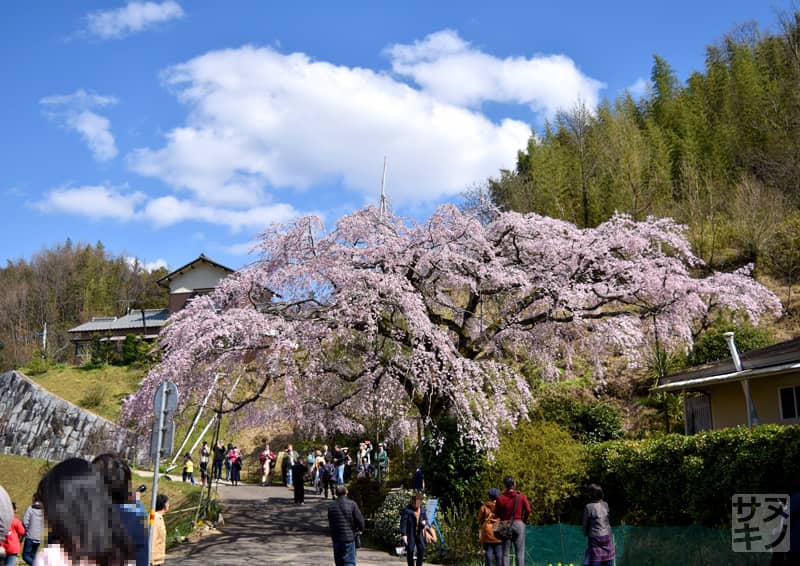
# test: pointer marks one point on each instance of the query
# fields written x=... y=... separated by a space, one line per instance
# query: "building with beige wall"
x=717 y=394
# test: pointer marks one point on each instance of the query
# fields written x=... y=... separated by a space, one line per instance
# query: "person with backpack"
x=327 y=476
x=513 y=506
x=346 y=523
x=487 y=519
x=33 y=521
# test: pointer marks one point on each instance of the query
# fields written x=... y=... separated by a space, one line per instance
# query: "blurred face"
x=415 y=502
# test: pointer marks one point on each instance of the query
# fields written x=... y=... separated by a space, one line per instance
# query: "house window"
x=790 y=403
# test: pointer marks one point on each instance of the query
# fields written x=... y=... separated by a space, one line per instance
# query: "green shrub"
x=712 y=347
x=94 y=397
x=454 y=470
x=386 y=523
x=460 y=530
x=676 y=480
x=37 y=365
x=368 y=494
x=589 y=421
x=548 y=465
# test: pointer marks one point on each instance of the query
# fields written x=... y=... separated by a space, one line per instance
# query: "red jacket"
x=11 y=544
x=505 y=506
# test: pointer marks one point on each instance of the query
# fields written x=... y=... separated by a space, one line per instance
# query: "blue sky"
x=169 y=128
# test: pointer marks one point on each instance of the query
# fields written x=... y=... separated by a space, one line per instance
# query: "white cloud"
x=639 y=88
x=96 y=202
x=96 y=132
x=243 y=248
x=74 y=111
x=260 y=119
x=132 y=18
x=135 y=262
x=79 y=100
x=165 y=211
x=453 y=71
x=106 y=202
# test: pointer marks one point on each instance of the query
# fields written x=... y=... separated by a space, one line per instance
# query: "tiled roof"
x=153 y=318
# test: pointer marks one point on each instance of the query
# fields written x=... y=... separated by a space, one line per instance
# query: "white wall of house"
x=201 y=276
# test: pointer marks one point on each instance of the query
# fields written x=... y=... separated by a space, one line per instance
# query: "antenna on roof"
x=383 y=189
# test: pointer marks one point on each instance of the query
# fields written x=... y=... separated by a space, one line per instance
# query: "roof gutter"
x=728 y=377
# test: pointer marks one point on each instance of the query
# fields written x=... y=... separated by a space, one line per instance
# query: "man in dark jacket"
x=299 y=470
x=344 y=520
x=512 y=505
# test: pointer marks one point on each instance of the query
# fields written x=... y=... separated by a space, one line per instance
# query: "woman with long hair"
x=84 y=524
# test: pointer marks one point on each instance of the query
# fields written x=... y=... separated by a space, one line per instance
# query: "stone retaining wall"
x=38 y=424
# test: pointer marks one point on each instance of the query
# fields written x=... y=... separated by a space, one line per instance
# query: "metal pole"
x=153 y=496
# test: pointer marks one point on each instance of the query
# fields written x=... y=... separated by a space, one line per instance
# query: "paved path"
x=263 y=526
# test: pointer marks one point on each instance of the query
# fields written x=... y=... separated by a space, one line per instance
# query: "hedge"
x=677 y=480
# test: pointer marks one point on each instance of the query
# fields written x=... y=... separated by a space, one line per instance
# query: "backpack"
x=327 y=472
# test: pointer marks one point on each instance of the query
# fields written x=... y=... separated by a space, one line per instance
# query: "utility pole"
x=383 y=189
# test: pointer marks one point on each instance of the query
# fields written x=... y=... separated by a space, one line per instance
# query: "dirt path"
x=263 y=526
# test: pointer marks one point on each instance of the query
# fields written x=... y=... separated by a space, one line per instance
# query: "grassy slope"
x=108 y=385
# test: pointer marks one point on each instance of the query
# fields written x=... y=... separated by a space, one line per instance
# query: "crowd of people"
x=94 y=518
x=91 y=515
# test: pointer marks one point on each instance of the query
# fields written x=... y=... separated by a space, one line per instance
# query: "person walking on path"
x=188 y=468
x=228 y=462
x=487 y=519
x=267 y=461
x=33 y=521
x=413 y=521
x=235 y=458
x=219 y=458
x=298 y=473
x=205 y=452
x=513 y=506
x=158 y=544
x=597 y=529
x=344 y=520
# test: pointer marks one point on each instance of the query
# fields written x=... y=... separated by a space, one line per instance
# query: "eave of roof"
x=732 y=377
x=153 y=318
x=183 y=269
x=771 y=360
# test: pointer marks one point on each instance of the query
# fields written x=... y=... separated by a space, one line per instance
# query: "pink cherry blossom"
x=384 y=316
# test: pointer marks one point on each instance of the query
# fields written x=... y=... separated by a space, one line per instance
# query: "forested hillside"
x=720 y=153
x=65 y=286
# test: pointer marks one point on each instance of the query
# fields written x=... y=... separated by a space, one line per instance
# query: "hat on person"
x=494 y=493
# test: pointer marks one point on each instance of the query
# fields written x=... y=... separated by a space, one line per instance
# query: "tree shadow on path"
x=264 y=526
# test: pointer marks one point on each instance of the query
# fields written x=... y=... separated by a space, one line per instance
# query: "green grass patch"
x=20 y=477
x=100 y=390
